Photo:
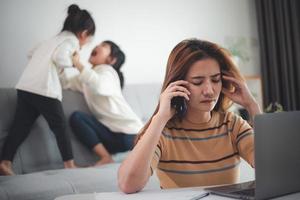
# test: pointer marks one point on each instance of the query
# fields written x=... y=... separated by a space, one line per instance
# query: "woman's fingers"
x=180 y=82
x=174 y=89
x=227 y=92
x=182 y=94
x=236 y=83
x=229 y=78
x=179 y=88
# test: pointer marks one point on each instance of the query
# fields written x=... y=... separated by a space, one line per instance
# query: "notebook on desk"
x=277 y=159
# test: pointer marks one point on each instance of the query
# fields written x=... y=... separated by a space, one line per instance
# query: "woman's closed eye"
x=197 y=82
x=216 y=80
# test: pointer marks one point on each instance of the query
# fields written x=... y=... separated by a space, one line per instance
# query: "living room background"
x=145 y=30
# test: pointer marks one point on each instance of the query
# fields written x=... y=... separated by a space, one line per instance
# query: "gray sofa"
x=38 y=163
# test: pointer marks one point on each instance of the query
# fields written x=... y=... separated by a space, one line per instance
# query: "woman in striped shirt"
x=204 y=144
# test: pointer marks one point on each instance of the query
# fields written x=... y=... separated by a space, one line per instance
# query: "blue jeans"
x=91 y=132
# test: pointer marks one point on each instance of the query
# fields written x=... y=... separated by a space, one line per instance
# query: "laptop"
x=277 y=159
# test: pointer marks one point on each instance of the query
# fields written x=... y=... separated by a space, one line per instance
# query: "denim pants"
x=92 y=132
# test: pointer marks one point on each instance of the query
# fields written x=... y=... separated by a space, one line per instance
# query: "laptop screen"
x=277 y=158
x=277 y=154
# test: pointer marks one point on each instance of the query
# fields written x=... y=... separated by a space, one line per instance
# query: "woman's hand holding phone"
x=177 y=88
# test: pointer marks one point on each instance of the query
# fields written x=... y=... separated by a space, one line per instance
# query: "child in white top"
x=39 y=91
x=113 y=126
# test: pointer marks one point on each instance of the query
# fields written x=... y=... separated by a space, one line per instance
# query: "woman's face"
x=205 y=85
x=100 y=54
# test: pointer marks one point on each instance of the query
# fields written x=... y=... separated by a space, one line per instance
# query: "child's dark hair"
x=79 y=20
x=118 y=54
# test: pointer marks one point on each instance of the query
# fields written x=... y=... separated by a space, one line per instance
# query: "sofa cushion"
x=143 y=98
x=50 y=184
x=40 y=152
x=7 y=110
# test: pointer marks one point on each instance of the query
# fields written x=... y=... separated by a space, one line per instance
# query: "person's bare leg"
x=69 y=164
x=6 y=168
x=104 y=155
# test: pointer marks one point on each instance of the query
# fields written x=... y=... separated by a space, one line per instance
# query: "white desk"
x=174 y=194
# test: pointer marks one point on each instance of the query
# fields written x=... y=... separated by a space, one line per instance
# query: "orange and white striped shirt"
x=190 y=155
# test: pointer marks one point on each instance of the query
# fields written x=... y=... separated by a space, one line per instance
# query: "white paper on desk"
x=150 y=195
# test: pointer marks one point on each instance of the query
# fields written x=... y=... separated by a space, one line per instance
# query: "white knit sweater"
x=102 y=92
x=46 y=61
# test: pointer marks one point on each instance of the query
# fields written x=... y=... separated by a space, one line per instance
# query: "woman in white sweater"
x=39 y=90
x=113 y=126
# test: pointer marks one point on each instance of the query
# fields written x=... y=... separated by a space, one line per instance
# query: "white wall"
x=145 y=30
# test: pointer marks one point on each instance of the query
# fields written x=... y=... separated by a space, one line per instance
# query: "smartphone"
x=180 y=105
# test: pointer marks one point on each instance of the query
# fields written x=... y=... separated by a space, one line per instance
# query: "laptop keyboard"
x=244 y=190
x=245 y=194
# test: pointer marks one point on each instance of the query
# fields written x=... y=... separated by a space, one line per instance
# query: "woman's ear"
x=83 y=34
x=111 y=60
x=83 y=37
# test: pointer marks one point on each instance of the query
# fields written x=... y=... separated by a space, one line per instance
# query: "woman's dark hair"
x=79 y=20
x=117 y=53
